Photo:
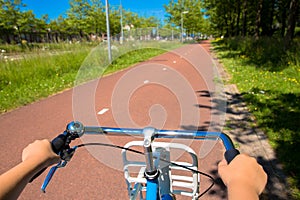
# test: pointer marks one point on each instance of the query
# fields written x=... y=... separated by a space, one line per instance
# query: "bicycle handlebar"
x=60 y=144
x=180 y=134
x=229 y=155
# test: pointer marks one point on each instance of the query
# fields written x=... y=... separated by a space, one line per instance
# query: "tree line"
x=232 y=18
x=84 y=18
x=228 y=18
x=257 y=18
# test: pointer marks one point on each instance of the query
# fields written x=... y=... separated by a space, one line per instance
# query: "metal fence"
x=144 y=34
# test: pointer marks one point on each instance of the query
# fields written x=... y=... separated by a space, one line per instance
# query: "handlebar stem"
x=149 y=134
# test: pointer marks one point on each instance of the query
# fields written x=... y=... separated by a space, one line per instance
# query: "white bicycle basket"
x=173 y=178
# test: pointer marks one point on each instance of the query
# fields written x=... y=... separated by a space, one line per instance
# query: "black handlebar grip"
x=57 y=145
x=231 y=154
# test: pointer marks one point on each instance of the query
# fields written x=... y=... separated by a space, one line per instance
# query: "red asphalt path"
x=175 y=90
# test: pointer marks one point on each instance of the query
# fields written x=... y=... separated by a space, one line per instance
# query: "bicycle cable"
x=169 y=162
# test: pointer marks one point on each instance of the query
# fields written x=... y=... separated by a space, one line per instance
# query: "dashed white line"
x=146 y=81
x=104 y=110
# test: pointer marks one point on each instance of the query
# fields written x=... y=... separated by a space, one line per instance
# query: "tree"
x=244 y=18
x=96 y=18
x=78 y=16
x=189 y=11
x=10 y=18
x=59 y=29
x=258 y=18
x=27 y=24
x=149 y=22
x=253 y=18
x=293 y=11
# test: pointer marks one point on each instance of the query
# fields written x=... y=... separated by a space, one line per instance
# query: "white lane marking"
x=104 y=110
x=146 y=81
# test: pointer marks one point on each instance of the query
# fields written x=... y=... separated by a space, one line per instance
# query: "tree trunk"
x=291 y=23
x=271 y=19
x=7 y=36
x=231 y=25
x=237 y=29
x=258 y=19
x=283 y=20
x=244 y=18
x=19 y=35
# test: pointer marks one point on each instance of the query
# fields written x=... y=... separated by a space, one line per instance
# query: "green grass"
x=131 y=58
x=39 y=75
x=269 y=80
x=33 y=48
x=26 y=80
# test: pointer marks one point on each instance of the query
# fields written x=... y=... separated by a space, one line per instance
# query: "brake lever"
x=60 y=145
x=49 y=177
x=66 y=156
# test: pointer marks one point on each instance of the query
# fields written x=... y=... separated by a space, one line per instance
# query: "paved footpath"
x=176 y=90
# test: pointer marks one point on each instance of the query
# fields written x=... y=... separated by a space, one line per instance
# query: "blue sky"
x=54 y=8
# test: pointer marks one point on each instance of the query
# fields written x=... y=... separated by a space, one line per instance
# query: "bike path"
x=144 y=92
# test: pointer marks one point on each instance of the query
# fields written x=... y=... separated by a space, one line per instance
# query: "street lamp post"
x=184 y=12
x=108 y=32
x=121 y=22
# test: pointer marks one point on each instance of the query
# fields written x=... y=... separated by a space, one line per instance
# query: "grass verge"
x=269 y=80
x=26 y=80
